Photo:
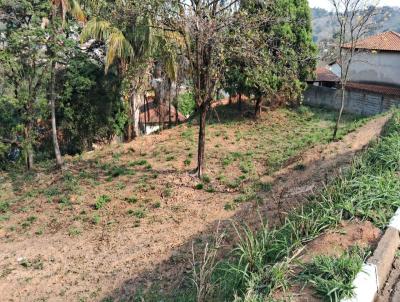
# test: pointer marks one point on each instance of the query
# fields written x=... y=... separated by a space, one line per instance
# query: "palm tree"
x=59 y=8
x=131 y=50
x=117 y=45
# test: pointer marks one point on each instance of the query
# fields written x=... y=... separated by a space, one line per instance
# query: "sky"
x=326 y=3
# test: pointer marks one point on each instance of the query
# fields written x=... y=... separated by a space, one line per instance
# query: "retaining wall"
x=358 y=102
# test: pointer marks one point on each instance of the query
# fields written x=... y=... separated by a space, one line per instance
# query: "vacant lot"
x=108 y=222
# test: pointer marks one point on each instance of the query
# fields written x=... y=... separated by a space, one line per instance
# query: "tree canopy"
x=85 y=70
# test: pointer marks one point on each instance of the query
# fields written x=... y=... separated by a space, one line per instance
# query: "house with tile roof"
x=324 y=77
x=374 y=78
x=377 y=60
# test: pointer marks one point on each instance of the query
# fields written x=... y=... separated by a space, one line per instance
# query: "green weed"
x=140 y=162
x=131 y=200
x=199 y=186
x=4 y=206
x=96 y=219
x=73 y=231
x=332 y=277
x=101 y=201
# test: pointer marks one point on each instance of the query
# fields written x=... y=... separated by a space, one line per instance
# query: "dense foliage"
x=285 y=54
x=75 y=73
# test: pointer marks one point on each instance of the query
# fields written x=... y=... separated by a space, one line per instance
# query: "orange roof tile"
x=380 y=89
x=325 y=75
x=387 y=41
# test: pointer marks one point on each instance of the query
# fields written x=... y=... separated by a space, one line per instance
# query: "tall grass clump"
x=332 y=276
x=368 y=190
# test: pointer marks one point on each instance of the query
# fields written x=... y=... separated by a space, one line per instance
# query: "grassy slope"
x=369 y=190
x=239 y=152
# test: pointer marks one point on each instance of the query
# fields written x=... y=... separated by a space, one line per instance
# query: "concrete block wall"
x=357 y=102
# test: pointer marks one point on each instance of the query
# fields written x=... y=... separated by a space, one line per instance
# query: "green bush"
x=186 y=103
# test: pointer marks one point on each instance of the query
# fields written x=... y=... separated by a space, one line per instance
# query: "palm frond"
x=96 y=29
x=118 y=47
x=171 y=65
x=76 y=11
x=141 y=37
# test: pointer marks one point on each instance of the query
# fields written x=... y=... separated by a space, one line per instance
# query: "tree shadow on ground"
x=170 y=279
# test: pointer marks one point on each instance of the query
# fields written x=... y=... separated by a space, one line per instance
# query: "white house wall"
x=380 y=67
x=336 y=69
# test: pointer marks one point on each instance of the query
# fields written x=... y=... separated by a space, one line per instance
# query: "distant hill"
x=325 y=24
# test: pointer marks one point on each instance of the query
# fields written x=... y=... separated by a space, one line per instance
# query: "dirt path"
x=113 y=261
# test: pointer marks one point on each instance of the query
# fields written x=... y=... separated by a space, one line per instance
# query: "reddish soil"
x=119 y=257
x=334 y=242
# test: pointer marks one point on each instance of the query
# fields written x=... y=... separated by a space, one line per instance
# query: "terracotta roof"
x=325 y=75
x=387 y=41
x=151 y=113
x=380 y=89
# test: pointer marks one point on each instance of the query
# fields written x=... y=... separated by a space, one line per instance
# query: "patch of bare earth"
x=333 y=243
x=73 y=260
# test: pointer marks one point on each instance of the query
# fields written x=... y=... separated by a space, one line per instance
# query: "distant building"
x=335 y=68
x=373 y=82
x=325 y=78
x=150 y=115
x=377 y=60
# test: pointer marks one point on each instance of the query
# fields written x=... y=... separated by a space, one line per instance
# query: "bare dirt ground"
x=334 y=242
x=118 y=256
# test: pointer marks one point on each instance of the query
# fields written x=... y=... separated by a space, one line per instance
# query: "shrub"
x=186 y=103
x=4 y=206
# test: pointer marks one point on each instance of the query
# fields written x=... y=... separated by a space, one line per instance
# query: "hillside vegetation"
x=129 y=206
x=138 y=179
x=324 y=22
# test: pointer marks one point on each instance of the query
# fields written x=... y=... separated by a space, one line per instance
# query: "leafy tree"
x=24 y=72
x=283 y=54
x=89 y=105
x=56 y=50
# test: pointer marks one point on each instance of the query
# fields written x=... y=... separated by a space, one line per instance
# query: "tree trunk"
x=129 y=130
x=240 y=102
x=59 y=160
x=28 y=146
x=161 y=112
x=146 y=107
x=230 y=99
x=136 y=114
x=340 y=112
x=257 y=109
x=177 y=104
x=169 y=103
x=202 y=140
x=136 y=102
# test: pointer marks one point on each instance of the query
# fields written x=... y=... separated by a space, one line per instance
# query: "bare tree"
x=203 y=25
x=354 y=18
